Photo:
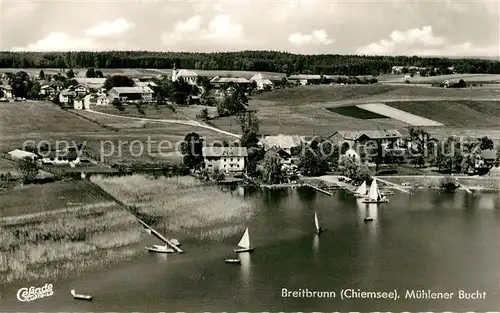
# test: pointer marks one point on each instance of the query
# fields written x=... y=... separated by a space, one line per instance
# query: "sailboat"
x=374 y=195
x=316 y=223
x=244 y=244
x=362 y=190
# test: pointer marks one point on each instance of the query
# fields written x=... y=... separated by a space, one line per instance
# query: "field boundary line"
x=188 y=122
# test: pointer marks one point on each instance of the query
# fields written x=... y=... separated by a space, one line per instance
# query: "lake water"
x=441 y=242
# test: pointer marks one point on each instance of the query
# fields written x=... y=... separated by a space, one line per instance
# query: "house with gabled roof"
x=262 y=81
x=131 y=94
x=384 y=136
x=285 y=142
x=227 y=159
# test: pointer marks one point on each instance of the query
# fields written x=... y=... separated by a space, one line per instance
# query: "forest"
x=262 y=61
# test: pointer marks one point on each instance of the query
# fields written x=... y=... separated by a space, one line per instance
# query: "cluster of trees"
x=451 y=155
x=269 y=61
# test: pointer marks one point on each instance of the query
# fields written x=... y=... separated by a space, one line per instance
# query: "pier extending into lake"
x=123 y=205
x=394 y=185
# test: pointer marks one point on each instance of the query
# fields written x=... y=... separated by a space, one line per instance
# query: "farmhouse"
x=305 y=79
x=80 y=90
x=285 y=157
x=353 y=138
x=144 y=83
x=228 y=159
x=6 y=90
x=78 y=103
x=99 y=99
x=61 y=157
x=47 y=90
x=92 y=83
x=221 y=81
x=262 y=81
x=489 y=157
x=131 y=94
x=66 y=96
x=18 y=154
x=284 y=142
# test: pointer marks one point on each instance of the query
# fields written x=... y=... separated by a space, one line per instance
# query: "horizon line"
x=497 y=57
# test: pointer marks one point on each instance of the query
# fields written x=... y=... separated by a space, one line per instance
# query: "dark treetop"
x=265 y=61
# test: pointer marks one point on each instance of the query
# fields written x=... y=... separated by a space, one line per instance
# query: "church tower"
x=174 y=74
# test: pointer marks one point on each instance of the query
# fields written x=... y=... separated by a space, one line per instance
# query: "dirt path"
x=187 y=122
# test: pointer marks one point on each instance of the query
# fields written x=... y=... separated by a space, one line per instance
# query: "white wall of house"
x=7 y=93
x=63 y=99
x=226 y=163
x=102 y=101
x=78 y=105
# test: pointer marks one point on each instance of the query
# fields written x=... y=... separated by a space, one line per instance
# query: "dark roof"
x=370 y=134
x=72 y=154
x=282 y=153
x=224 y=151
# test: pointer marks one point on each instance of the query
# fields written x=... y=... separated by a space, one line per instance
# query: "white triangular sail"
x=374 y=193
x=245 y=240
x=362 y=190
x=316 y=222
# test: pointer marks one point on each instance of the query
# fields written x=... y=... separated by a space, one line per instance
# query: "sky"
x=390 y=27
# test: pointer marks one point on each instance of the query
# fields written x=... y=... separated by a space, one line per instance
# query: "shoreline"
x=217 y=229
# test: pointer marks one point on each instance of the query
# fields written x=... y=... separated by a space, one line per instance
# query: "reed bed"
x=69 y=240
x=181 y=203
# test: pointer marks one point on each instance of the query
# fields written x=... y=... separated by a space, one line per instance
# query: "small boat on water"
x=374 y=195
x=233 y=261
x=175 y=242
x=160 y=249
x=362 y=191
x=319 y=230
x=244 y=244
x=80 y=297
x=368 y=219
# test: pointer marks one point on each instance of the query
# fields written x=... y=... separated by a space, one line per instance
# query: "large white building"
x=188 y=76
x=227 y=159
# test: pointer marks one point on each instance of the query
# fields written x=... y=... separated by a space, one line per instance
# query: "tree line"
x=265 y=61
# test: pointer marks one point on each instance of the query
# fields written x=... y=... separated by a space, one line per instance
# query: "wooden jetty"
x=160 y=236
x=319 y=189
x=396 y=186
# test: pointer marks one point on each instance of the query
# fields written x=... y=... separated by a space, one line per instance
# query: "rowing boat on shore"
x=80 y=296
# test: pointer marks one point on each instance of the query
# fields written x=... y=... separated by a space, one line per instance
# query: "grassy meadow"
x=307 y=110
x=454 y=113
x=146 y=111
x=468 y=78
x=22 y=118
x=183 y=203
x=61 y=228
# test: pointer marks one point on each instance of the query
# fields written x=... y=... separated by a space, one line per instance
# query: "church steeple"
x=174 y=74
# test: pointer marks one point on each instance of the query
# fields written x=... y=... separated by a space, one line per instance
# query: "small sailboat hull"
x=240 y=250
x=375 y=201
x=159 y=249
x=80 y=297
x=233 y=261
x=368 y=219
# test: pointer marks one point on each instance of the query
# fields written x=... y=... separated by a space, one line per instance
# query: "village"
x=127 y=158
